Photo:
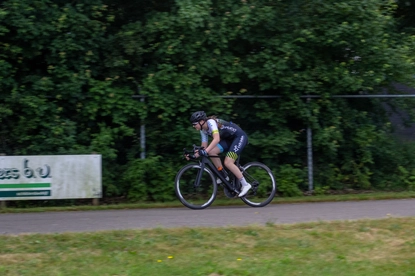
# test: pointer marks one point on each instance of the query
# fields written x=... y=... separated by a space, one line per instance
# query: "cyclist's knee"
x=232 y=155
x=229 y=160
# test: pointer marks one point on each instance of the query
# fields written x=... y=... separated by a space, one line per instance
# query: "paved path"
x=58 y=222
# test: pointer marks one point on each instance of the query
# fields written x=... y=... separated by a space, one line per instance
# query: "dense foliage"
x=69 y=71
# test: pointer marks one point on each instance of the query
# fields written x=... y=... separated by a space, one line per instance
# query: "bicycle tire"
x=195 y=196
x=263 y=183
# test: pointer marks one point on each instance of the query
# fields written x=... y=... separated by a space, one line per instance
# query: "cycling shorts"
x=233 y=147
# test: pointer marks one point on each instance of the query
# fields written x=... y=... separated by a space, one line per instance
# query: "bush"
x=150 y=179
x=289 y=178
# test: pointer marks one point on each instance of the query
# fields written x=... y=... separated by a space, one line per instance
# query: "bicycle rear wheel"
x=263 y=184
x=195 y=195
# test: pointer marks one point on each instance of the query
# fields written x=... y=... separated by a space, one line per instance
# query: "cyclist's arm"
x=204 y=138
x=213 y=127
x=204 y=144
x=215 y=141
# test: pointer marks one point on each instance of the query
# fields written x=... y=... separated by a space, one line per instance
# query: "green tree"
x=69 y=71
x=404 y=14
x=60 y=88
x=203 y=49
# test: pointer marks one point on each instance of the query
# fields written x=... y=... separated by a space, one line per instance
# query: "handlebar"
x=191 y=154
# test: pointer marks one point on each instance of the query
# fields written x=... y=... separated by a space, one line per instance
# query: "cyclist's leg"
x=235 y=149
x=230 y=165
x=215 y=152
x=222 y=146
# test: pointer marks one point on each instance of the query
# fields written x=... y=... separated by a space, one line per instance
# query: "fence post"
x=143 y=137
x=310 y=153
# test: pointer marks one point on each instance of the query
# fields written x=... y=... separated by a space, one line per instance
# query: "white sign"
x=50 y=177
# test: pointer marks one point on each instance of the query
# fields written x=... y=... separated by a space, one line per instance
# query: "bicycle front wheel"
x=192 y=193
x=263 y=184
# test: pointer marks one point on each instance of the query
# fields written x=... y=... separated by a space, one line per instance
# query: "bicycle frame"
x=255 y=173
x=205 y=161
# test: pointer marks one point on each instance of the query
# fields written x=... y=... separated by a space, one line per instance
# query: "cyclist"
x=226 y=137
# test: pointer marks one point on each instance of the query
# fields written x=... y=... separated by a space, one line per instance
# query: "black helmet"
x=197 y=116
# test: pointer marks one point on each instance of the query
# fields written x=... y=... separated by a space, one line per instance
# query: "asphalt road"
x=88 y=221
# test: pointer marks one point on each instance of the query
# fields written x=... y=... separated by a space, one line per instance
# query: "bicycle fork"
x=199 y=175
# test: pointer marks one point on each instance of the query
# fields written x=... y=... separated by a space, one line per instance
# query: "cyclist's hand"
x=203 y=152
x=189 y=156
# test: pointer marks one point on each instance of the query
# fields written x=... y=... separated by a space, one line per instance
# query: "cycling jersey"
x=232 y=138
x=228 y=130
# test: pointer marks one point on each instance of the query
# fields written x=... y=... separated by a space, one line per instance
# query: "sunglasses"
x=194 y=124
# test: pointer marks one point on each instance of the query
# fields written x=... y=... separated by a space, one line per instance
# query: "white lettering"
x=238 y=146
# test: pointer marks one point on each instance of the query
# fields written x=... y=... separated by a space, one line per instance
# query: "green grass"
x=366 y=247
x=220 y=201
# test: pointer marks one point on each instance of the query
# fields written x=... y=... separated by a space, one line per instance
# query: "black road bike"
x=196 y=183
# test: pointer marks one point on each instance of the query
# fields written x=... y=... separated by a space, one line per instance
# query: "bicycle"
x=196 y=184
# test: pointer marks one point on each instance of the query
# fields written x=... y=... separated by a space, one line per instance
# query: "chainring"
x=230 y=193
